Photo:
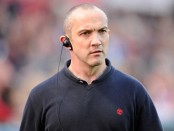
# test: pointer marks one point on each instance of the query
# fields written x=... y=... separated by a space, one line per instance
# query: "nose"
x=96 y=40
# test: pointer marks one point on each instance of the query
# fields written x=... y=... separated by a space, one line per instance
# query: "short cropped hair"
x=68 y=21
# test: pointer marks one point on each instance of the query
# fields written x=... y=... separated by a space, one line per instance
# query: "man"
x=88 y=94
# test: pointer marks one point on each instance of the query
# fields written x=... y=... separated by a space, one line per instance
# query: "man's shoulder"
x=124 y=75
x=45 y=86
x=130 y=85
x=127 y=79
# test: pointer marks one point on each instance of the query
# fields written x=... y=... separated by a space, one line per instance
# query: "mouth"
x=96 y=52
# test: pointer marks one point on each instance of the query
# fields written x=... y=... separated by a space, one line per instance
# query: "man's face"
x=89 y=37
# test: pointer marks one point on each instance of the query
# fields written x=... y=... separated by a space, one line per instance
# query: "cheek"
x=80 y=48
x=81 y=45
x=105 y=46
x=106 y=42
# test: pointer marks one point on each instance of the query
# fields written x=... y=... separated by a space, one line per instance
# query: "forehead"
x=89 y=18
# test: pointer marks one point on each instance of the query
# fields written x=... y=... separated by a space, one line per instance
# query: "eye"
x=85 y=33
x=103 y=31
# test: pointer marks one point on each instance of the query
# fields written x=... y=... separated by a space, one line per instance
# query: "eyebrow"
x=83 y=30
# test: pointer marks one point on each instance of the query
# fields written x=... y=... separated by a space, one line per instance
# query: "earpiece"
x=67 y=42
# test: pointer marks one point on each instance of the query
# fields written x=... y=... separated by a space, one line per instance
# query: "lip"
x=96 y=51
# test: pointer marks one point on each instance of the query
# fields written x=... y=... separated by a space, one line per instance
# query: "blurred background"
x=141 y=44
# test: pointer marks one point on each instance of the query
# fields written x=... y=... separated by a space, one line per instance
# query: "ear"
x=62 y=38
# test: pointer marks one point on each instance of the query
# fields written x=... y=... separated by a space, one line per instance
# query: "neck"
x=87 y=73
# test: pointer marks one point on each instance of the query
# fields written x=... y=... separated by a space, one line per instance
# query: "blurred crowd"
x=141 y=45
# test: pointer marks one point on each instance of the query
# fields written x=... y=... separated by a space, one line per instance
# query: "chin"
x=96 y=62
